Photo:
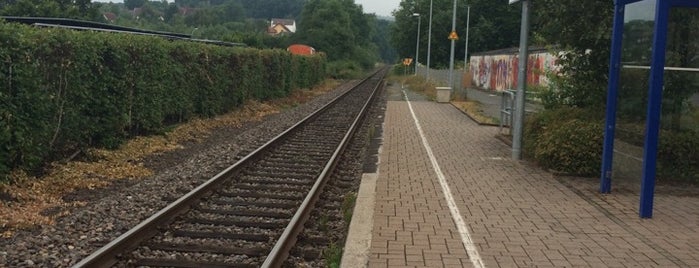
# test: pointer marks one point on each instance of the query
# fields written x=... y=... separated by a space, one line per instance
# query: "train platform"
x=448 y=194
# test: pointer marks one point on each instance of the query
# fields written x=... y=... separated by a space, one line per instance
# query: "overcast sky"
x=380 y=7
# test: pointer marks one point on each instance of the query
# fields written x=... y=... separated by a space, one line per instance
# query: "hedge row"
x=566 y=140
x=62 y=90
x=570 y=140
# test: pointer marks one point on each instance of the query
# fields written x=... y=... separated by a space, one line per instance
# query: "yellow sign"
x=453 y=36
x=407 y=61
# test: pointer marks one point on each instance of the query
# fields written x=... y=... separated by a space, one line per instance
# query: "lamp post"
x=429 y=43
x=453 y=42
x=192 y=34
x=518 y=122
x=468 y=19
x=417 y=42
x=466 y=66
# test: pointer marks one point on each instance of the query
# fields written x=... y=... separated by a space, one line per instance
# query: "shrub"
x=566 y=140
x=400 y=69
x=345 y=69
x=575 y=146
x=678 y=157
x=63 y=90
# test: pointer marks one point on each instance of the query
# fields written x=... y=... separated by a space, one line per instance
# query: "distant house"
x=109 y=17
x=278 y=29
x=136 y=12
x=281 y=26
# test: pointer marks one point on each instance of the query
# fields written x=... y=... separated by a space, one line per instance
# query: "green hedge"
x=678 y=157
x=566 y=140
x=570 y=140
x=62 y=90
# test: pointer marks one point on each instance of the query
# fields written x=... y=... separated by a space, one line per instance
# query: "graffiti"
x=500 y=72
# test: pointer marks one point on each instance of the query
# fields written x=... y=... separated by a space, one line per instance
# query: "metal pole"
x=521 y=84
x=612 y=94
x=655 y=97
x=429 y=43
x=417 y=42
x=451 y=55
x=466 y=67
x=468 y=19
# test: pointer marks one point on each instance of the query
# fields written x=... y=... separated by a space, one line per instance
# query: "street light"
x=192 y=34
x=451 y=55
x=466 y=66
x=417 y=42
x=429 y=43
x=468 y=20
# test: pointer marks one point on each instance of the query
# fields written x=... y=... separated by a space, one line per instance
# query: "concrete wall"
x=498 y=71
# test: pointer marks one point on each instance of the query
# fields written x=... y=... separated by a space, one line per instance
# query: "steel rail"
x=107 y=255
x=287 y=240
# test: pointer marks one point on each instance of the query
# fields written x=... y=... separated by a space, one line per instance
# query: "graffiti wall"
x=498 y=72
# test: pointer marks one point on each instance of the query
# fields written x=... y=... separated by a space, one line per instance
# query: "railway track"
x=250 y=214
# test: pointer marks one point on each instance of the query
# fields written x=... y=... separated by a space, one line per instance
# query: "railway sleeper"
x=237 y=223
x=187 y=264
x=222 y=235
x=191 y=247
x=308 y=253
x=236 y=207
x=228 y=202
x=268 y=180
x=307 y=175
x=294 y=161
x=285 y=163
x=237 y=193
x=247 y=212
x=276 y=188
x=314 y=157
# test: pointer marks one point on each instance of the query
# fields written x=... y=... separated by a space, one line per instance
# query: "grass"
x=348 y=207
x=26 y=197
x=416 y=84
x=470 y=107
x=473 y=109
x=333 y=255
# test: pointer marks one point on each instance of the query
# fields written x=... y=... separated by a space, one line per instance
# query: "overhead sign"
x=453 y=36
x=407 y=61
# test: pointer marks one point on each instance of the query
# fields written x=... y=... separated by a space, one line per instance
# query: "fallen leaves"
x=474 y=110
x=31 y=197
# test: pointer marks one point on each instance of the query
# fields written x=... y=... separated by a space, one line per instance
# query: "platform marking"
x=471 y=249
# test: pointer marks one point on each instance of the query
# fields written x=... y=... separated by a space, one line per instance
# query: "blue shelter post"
x=612 y=93
x=655 y=95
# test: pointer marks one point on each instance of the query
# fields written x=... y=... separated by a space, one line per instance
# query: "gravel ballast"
x=110 y=212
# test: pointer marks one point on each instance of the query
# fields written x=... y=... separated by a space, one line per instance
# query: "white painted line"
x=471 y=249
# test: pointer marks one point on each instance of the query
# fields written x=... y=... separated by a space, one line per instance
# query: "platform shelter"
x=652 y=117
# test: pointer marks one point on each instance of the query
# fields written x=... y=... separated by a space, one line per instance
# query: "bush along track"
x=62 y=91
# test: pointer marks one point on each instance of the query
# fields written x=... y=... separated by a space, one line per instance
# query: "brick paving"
x=518 y=215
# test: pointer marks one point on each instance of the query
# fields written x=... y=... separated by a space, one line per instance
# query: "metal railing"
x=507 y=109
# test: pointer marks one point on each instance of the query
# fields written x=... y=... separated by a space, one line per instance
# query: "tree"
x=170 y=12
x=340 y=29
x=583 y=40
x=73 y=9
x=386 y=51
x=493 y=25
x=326 y=26
x=267 y=9
x=131 y=4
